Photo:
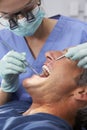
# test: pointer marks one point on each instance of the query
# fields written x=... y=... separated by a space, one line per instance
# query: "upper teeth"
x=45 y=69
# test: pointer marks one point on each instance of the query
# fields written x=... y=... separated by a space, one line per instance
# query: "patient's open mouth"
x=45 y=72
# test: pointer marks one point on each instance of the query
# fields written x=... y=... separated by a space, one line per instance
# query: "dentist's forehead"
x=12 y=5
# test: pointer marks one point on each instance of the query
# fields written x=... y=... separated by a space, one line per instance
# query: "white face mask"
x=24 y=27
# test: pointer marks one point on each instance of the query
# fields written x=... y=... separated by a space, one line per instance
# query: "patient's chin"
x=37 y=80
x=34 y=81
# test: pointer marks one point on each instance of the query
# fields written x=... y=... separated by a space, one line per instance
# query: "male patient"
x=57 y=94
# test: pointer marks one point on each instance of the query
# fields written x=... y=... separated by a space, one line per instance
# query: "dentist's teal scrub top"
x=67 y=32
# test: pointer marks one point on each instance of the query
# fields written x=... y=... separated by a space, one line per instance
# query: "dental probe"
x=30 y=66
x=27 y=63
x=60 y=57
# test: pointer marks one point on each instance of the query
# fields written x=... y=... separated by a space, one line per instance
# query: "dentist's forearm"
x=4 y=97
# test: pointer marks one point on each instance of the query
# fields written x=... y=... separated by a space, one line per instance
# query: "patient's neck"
x=55 y=109
x=37 y=108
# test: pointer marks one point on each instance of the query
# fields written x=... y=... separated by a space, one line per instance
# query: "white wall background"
x=73 y=8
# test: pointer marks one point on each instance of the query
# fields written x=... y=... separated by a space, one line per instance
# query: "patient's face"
x=58 y=76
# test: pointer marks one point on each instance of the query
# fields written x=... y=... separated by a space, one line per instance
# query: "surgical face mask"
x=24 y=27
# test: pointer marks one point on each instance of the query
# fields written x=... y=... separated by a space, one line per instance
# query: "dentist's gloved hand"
x=11 y=65
x=78 y=53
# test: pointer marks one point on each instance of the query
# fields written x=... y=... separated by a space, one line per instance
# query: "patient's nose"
x=50 y=55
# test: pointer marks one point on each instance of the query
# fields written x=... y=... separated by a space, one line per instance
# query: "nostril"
x=50 y=55
x=50 y=58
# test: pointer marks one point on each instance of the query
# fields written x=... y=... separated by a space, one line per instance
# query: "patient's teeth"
x=46 y=70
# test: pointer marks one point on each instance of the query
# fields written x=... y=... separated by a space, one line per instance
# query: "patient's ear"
x=80 y=94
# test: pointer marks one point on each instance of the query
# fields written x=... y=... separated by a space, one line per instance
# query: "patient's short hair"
x=82 y=79
x=81 y=119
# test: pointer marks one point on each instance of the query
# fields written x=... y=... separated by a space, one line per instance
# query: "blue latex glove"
x=11 y=65
x=78 y=53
